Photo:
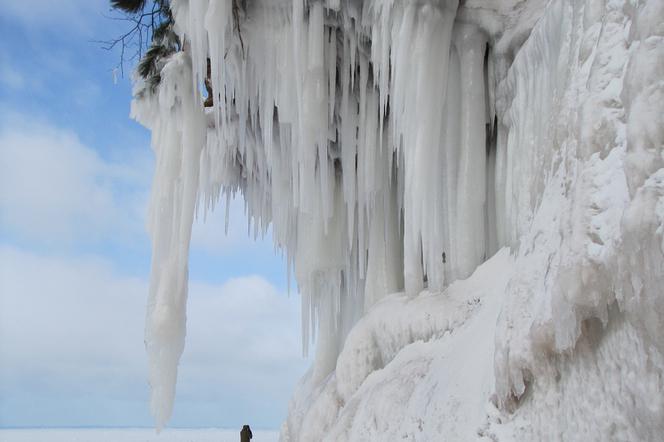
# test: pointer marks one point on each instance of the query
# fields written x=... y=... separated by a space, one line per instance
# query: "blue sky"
x=75 y=176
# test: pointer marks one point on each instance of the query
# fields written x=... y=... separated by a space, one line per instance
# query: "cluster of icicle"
x=357 y=130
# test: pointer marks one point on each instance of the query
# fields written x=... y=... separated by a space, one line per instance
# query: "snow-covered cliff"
x=470 y=195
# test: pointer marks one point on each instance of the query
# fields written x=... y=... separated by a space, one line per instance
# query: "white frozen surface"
x=131 y=435
x=391 y=150
x=412 y=368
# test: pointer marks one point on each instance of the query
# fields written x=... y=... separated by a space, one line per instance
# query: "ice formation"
x=403 y=146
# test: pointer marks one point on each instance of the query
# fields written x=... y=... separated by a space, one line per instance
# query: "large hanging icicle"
x=471 y=171
x=178 y=131
x=419 y=90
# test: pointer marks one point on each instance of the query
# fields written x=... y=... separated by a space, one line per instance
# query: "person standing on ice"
x=245 y=434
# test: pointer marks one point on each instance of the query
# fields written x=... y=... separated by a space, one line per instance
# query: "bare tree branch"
x=136 y=41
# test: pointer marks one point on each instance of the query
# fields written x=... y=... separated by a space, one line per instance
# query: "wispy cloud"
x=10 y=77
x=53 y=188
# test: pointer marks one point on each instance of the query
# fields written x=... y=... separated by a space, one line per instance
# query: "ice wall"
x=395 y=146
x=577 y=329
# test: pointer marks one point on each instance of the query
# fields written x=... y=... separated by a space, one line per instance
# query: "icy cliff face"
x=395 y=146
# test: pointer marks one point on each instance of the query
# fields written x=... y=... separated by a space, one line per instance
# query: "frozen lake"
x=131 y=435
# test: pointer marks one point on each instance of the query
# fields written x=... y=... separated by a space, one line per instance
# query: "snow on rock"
x=398 y=375
x=395 y=147
x=568 y=337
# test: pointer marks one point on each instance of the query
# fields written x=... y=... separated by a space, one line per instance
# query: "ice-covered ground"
x=131 y=435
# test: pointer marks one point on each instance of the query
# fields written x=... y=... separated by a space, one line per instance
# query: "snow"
x=130 y=435
x=396 y=147
x=397 y=376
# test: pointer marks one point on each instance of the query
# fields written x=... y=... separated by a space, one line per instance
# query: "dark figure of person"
x=245 y=434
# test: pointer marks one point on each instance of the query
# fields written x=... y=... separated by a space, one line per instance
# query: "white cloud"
x=57 y=313
x=53 y=188
x=74 y=328
x=242 y=321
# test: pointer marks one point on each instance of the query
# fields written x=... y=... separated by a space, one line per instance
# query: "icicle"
x=451 y=141
x=471 y=185
x=178 y=140
x=421 y=110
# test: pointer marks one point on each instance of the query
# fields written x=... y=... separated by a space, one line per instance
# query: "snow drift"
x=397 y=146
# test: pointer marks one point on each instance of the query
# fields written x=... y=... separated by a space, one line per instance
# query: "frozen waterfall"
x=395 y=146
